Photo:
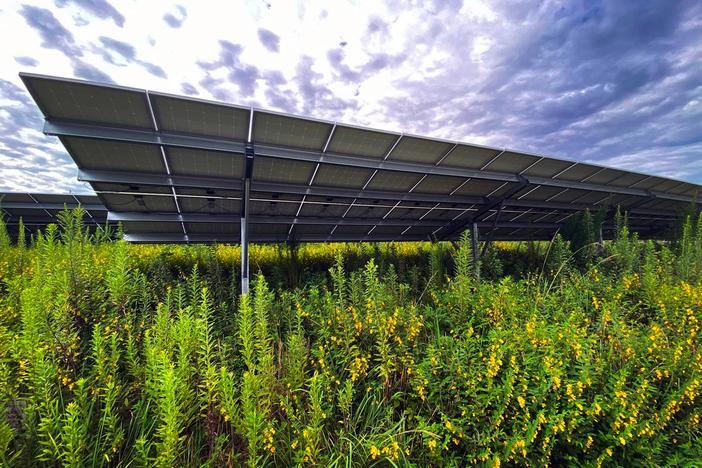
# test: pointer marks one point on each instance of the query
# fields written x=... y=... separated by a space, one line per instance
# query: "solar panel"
x=38 y=210
x=439 y=184
x=396 y=181
x=470 y=156
x=480 y=187
x=209 y=205
x=511 y=162
x=192 y=116
x=114 y=156
x=421 y=150
x=327 y=207
x=83 y=102
x=340 y=176
x=361 y=142
x=317 y=180
x=138 y=202
x=231 y=229
x=286 y=171
x=548 y=168
x=282 y=130
x=128 y=187
x=182 y=161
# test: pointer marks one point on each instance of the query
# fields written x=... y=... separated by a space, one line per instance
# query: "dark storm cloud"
x=189 y=89
x=100 y=8
x=176 y=21
x=27 y=61
x=53 y=34
x=269 y=40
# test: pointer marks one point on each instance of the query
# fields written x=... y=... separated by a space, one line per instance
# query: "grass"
x=396 y=355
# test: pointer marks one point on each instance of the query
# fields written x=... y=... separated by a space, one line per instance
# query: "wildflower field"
x=350 y=355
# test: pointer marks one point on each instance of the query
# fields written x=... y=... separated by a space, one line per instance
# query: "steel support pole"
x=245 y=241
x=474 y=240
x=248 y=170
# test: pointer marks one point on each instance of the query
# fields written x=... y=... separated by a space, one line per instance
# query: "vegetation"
x=116 y=355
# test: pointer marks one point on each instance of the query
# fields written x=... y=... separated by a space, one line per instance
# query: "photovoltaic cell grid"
x=38 y=210
x=172 y=169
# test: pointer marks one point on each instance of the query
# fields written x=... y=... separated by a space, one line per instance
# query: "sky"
x=615 y=82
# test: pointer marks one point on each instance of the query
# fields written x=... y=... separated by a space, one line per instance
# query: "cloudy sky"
x=618 y=82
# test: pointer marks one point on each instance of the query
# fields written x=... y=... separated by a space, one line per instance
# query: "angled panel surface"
x=84 y=102
x=421 y=150
x=439 y=184
x=394 y=181
x=216 y=229
x=196 y=117
x=329 y=175
x=470 y=157
x=284 y=171
x=209 y=205
x=361 y=142
x=295 y=132
x=146 y=227
x=548 y=167
x=114 y=156
x=511 y=162
x=131 y=188
x=205 y=163
x=146 y=203
x=481 y=187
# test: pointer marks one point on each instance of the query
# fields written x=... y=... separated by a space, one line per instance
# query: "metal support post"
x=474 y=240
x=248 y=170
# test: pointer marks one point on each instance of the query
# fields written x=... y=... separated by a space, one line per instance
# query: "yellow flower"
x=375 y=453
x=432 y=444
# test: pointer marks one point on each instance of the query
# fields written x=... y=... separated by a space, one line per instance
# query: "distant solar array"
x=37 y=210
x=177 y=169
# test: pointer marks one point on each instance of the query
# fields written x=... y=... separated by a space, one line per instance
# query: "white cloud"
x=570 y=81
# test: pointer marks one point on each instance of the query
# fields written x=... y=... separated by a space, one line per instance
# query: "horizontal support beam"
x=380 y=164
x=215 y=183
x=62 y=128
x=212 y=183
x=115 y=217
x=157 y=238
x=125 y=217
x=133 y=135
x=46 y=219
x=564 y=206
x=49 y=206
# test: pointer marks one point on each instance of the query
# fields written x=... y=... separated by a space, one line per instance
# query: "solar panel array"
x=173 y=169
x=37 y=210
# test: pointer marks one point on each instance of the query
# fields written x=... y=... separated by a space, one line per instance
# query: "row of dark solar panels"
x=37 y=210
x=207 y=217
x=170 y=169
